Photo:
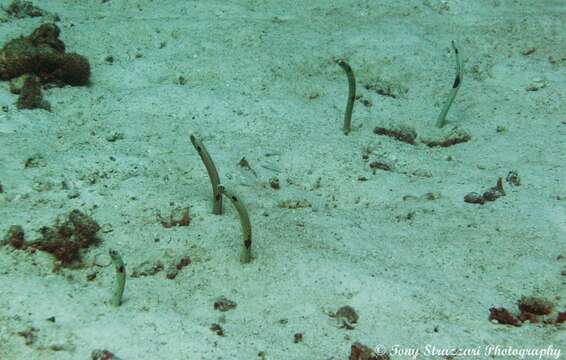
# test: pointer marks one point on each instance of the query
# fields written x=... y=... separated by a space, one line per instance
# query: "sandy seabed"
x=363 y=220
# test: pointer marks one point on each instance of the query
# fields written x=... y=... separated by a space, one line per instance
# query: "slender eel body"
x=120 y=277
x=441 y=121
x=246 y=255
x=212 y=174
x=351 y=96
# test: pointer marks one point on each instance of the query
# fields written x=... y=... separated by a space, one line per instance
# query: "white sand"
x=261 y=80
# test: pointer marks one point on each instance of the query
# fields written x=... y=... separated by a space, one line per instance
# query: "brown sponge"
x=42 y=55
